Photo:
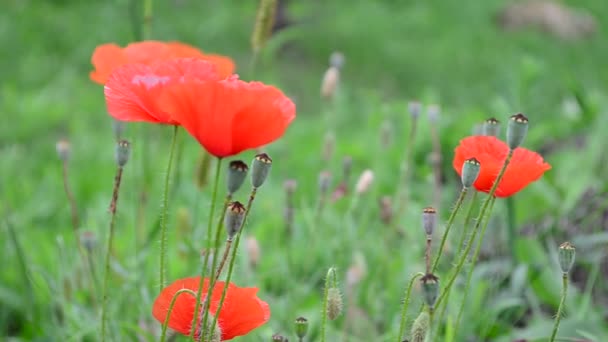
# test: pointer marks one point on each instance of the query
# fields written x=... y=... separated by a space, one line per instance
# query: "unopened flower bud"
x=235 y=214
x=301 y=327
x=279 y=338
x=566 y=255
x=123 y=151
x=88 y=239
x=491 y=127
x=336 y=60
x=260 y=169
x=414 y=107
x=470 y=172
x=213 y=334
x=430 y=289
x=334 y=303
x=118 y=127
x=237 y=172
x=365 y=181
x=516 y=130
x=253 y=251
x=433 y=112
x=330 y=82
x=420 y=327
x=429 y=220
x=63 y=150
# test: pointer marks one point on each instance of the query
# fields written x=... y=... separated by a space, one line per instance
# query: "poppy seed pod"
x=470 y=172
x=279 y=338
x=63 y=150
x=491 y=127
x=420 y=327
x=260 y=169
x=516 y=130
x=334 y=303
x=429 y=220
x=237 y=172
x=430 y=289
x=414 y=107
x=566 y=255
x=235 y=214
x=123 y=151
x=301 y=327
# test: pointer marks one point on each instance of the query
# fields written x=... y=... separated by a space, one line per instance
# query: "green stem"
x=482 y=214
x=331 y=273
x=467 y=219
x=209 y=235
x=457 y=207
x=113 y=205
x=473 y=261
x=233 y=256
x=560 y=309
x=164 y=210
x=147 y=20
x=406 y=303
x=163 y=334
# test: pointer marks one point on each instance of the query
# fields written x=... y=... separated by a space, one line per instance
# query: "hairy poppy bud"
x=429 y=220
x=516 y=130
x=414 y=107
x=430 y=289
x=234 y=218
x=330 y=82
x=237 y=172
x=279 y=338
x=334 y=303
x=491 y=127
x=433 y=113
x=301 y=327
x=470 y=172
x=421 y=327
x=63 y=150
x=260 y=169
x=566 y=255
x=123 y=151
x=336 y=60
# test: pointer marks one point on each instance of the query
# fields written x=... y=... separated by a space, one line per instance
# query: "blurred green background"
x=450 y=53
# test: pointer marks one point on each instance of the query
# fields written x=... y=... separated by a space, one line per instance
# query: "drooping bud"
x=433 y=112
x=414 y=107
x=491 y=127
x=260 y=169
x=235 y=213
x=430 y=289
x=566 y=255
x=336 y=60
x=263 y=24
x=421 y=327
x=470 y=172
x=118 y=127
x=301 y=327
x=253 y=251
x=330 y=82
x=279 y=338
x=123 y=151
x=63 y=150
x=237 y=172
x=429 y=220
x=516 y=130
x=88 y=239
x=365 y=181
x=334 y=303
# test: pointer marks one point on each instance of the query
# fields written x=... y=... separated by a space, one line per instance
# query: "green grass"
x=434 y=51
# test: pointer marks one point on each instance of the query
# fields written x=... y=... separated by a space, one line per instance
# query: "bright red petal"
x=105 y=58
x=147 y=52
x=225 y=65
x=183 y=309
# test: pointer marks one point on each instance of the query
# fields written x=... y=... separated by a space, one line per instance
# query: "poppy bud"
x=566 y=255
x=118 y=127
x=336 y=60
x=253 y=251
x=279 y=338
x=491 y=127
x=260 y=169
x=237 y=172
x=88 y=239
x=213 y=334
x=301 y=327
x=330 y=82
x=430 y=289
x=420 y=327
x=63 y=149
x=123 y=151
x=516 y=130
x=334 y=303
x=470 y=171
x=234 y=218
x=429 y=220
x=433 y=113
x=414 y=107
x=365 y=181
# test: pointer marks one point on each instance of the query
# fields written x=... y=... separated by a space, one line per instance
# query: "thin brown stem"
x=224 y=258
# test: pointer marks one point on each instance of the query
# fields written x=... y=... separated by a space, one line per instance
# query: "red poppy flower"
x=525 y=166
x=229 y=116
x=108 y=57
x=241 y=312
x=133 y=89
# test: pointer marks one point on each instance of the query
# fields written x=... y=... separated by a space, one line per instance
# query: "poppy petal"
x=105 y=58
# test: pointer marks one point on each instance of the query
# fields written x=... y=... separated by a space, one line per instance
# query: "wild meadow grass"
x=342 y=209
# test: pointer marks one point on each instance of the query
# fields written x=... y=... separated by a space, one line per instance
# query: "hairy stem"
x=448 y=226
x=164 y=210
x=406 y=303
x=560 y=309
